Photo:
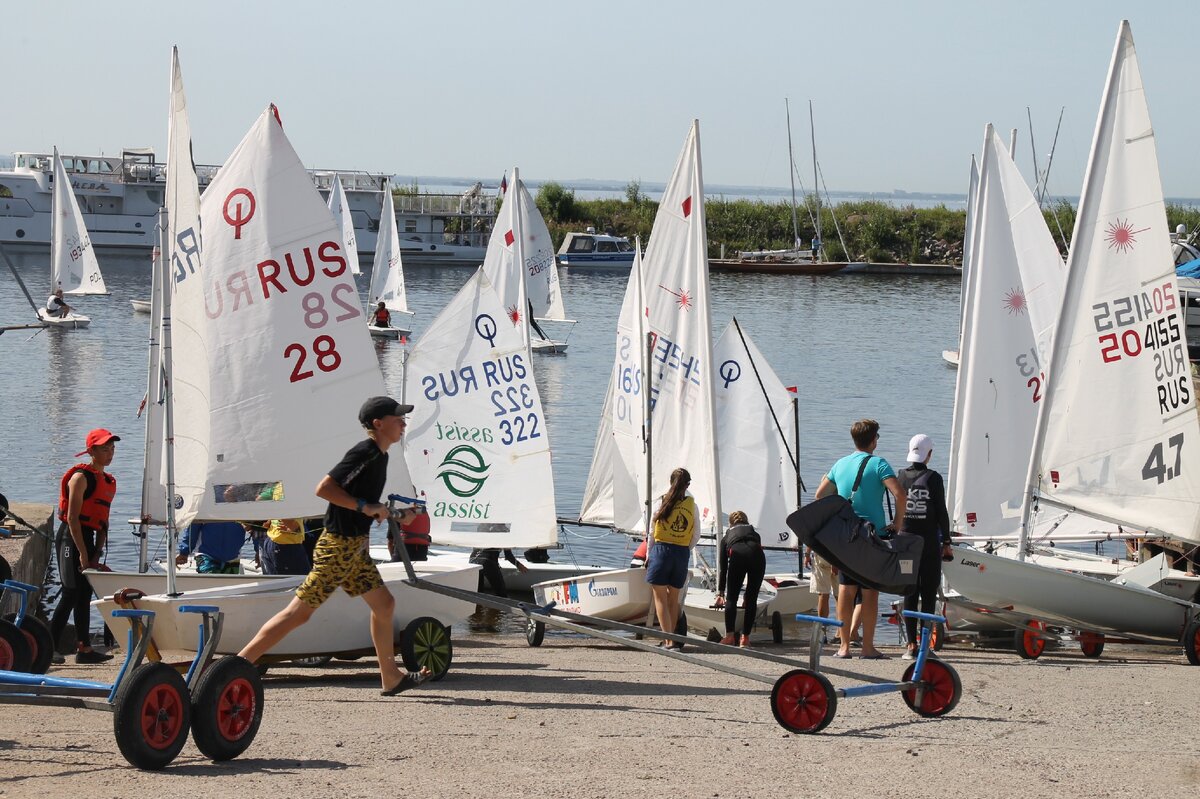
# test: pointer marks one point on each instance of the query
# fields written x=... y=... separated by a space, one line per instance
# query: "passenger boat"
x=595 y=251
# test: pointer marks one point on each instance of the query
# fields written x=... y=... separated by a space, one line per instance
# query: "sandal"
x=410 y=680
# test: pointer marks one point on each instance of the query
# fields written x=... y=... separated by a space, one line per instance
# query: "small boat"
x=777 y=265
x=595 y=251
x=387 y=275
x=617 y=595
x=950 y=357
x=140 y=306
x=514 y=579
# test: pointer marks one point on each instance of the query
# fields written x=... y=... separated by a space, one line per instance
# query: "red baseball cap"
x=97 y=438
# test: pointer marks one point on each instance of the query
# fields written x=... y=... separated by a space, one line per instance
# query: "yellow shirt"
x=678 y=527
x=286 y=531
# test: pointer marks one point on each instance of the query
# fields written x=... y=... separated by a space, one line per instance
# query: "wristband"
x=361 y=503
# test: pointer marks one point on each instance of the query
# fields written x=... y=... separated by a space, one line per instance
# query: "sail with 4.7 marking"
x=340 y=209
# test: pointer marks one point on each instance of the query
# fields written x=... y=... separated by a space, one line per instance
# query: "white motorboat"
x=594 y=250
x=618 y=595
x=341 y=627
x=514 y=579
x=140 y=306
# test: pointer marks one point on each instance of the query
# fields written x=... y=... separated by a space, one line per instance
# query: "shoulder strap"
x=862 y=467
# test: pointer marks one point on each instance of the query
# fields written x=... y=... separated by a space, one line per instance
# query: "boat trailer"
x=803 y=700
x=154 y=706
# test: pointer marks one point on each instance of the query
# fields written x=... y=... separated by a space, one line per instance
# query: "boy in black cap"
x=352 y=489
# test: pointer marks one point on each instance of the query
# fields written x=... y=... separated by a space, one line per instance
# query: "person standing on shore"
x=84 y=501
x=742 y=560
x=862 y=477
x=667 y=565
x=924 y=515
x=352 y=489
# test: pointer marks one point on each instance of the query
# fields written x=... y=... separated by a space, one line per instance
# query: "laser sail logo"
x=463 y=471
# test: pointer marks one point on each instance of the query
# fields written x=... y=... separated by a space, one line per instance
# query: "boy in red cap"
x=84 y=500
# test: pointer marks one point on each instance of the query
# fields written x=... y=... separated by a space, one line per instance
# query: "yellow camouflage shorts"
x=339 y=561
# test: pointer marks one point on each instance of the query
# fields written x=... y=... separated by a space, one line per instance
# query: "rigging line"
x=778 y=427
x=833 y=214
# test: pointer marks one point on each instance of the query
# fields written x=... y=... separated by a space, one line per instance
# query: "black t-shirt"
x=925 y=513
x=363 y=473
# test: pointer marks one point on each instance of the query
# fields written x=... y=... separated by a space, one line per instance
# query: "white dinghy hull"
x=618 y=595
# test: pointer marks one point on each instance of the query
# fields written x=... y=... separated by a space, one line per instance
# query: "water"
x=855 y=345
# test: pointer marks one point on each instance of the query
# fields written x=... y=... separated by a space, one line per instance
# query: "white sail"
x=268 y=384
x=73 y=264
x=1014 y=267
x=597 y=504
x=541 y=274
x=500 y=260
x=154 y=493
x=756 y=433
x=1118 y=436
x=477 y=442
x=387 y=272
x=680 y=319
x=627 y=405
x=345 y=222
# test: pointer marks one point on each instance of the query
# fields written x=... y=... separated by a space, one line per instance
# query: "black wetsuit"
x=741 y=559
x=924 y=515
x=489 y=561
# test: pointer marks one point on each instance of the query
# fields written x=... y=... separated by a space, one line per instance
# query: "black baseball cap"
x=379 y=407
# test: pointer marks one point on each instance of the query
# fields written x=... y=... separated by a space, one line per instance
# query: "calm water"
x=855 y=345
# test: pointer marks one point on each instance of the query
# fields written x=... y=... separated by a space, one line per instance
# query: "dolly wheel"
x=937 y=636
x=41 y=645
x=14 y=648
x=1092 y=644
x=152 y=715
x=535 y=632
x=803 y=701
x=227 y=708
x=777 y=627
x=1191 y=642
x=1029 y=640
x=426 y=644
x=938 y=691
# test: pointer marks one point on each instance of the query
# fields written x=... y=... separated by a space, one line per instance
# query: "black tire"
x=777 y=627
x=227 y=708
x=1028 y=640
x=426 y=644
x=312 y=662
x=1191 y=641
x=152 y=716
x=14 y=648
x=5 y=570
x=41 y=644
x=941 y=689
x=937 y=636
x=681 y=628
x=262 y=669
x=1091 y=644
x=803 y=701
x=535 y=632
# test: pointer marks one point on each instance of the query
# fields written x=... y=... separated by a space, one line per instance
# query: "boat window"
x=5 y=191
x=606 y=246
x=582 y=244
x=248 y=492
x=624 y=246
x=410 y=226
x=155 y=196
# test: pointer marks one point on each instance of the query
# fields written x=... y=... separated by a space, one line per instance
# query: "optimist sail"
x=268 y=381
x=756 y=434
x=387 y=272
x=1118 y=437
x=1016 y=288
x=73 y=264
x=345 y=222
x=477 y=441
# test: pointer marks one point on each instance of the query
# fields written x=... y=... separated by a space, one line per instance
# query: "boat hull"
x=514 y=580
x=617 y=595
x=140 y=306
x=71 y=321
x=776 y=267
x=1066 y=599
x=340 y=626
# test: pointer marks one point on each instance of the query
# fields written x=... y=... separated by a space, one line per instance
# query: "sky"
x=901 y=91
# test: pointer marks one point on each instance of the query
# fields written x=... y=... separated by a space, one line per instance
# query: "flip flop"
x=410 y=680
x=876 y=656
x=846 y=656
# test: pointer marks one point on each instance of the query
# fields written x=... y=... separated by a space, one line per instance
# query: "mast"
x=55 y=211
x=792 y=176
x=153 y=397
x=164 y=263
x=519 y=265
x=816 y=191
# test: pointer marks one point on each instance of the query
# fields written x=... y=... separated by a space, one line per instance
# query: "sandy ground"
x=578 y=718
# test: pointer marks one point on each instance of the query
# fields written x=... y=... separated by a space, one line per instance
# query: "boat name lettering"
x=456 y=432
x=90 y=186
x=519 y=429
x=539 y=262
x=512 y=400
x=972 y=563
x=676 y=368
x=1028 y=364
x=604 y=590
x=1126 y=312
x=328 y=252
x=462 y=510
x=465 y=379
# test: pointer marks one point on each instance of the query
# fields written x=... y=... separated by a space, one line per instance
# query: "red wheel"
x=227 y=708
x=938 y=691
x=1092 y=644
x=803 y=701
x=15 y=653
x=1030 y=641
x=41 y=645
x=1191 y=642
x=152 y=715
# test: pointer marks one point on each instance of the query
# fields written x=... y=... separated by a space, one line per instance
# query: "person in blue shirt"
x=867 y=502
x=217 y=546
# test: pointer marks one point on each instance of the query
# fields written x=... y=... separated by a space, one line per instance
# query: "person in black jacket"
x=741 y=560
x=924 y=515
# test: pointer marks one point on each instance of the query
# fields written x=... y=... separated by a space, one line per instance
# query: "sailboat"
x=529 y=287
x=250 y=372
x=387 y=273
x=1117 y=407
x=340 y=209
x=73 y=264
x=662 y=395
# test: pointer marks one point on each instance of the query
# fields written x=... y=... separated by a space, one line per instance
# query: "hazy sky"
x=604 y=89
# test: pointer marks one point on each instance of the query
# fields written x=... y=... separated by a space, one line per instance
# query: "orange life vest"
x=416 y=532
x=97 y=497
x=383 y=318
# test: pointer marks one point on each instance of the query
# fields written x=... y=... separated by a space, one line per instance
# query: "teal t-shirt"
x=868 y=502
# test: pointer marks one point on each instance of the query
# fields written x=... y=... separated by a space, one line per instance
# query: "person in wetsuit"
x=489 y=562
x=924 y=515
x=741 y=560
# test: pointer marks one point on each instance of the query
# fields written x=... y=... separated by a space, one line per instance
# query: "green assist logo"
x=463 y=471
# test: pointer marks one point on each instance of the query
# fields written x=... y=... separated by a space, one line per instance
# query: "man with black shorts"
x=352 y=489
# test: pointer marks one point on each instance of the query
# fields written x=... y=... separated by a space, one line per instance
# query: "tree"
x=556 y=203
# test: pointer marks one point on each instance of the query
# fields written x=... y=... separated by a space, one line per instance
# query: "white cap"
x=919 y=447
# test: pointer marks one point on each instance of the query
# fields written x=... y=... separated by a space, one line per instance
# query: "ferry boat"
x=595 y=250
x=120 y=197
